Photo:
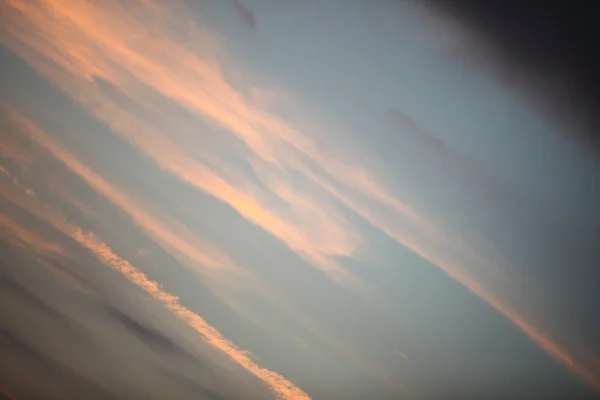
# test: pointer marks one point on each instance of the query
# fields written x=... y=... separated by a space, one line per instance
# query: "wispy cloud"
x=303 y=221
x=205 y=260
x=282 y=387
x=246 y=15
x=407 y=126
x=21 y=237
x=401 y=354
x=77 y=44
x=466 y=168
x=213 y=267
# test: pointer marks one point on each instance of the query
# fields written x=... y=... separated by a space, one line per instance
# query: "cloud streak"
x=300 y=186
x=246 y=15
x=23 y=238
x=302 y=220
x=283 y=388
x=225 y=278
x=212 y=267
x=498 y=192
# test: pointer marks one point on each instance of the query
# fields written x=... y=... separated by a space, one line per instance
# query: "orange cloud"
x=309 y=227
x=193 y=248
x=15 y=181
x=72 y=42
x=21 y=237
x=10 y=151
x=283 y=388
x=202 y=258
x=164 y=231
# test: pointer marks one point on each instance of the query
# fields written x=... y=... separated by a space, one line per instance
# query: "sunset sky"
x=284 y=200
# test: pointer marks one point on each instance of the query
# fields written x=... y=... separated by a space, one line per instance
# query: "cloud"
x=21 y=237
x=13 y=286
x=300 y=185
x=226 y=279
x=307 y=224
x=470 y=170
x=246 y=15
x=529 y=56
x=408 y=127
x=281 y=386
x=151 y=336
x=79 y=351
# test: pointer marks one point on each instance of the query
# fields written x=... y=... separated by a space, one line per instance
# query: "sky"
x=263 y=200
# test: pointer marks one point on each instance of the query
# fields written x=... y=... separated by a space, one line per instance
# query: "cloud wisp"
x=283 y=388
x=246 y=15
x=304 y=220
x=300 y=194
x=213 y=267
x=464 y=166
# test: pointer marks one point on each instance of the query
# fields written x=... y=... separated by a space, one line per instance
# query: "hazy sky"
x=262 y=199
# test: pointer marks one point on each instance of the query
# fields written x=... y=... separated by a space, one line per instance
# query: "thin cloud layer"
x=213 y=267
x=468 y=169
x=293 y=189
x=23 y=238
x=315 y=232
x=282 y=387
x=85 y=326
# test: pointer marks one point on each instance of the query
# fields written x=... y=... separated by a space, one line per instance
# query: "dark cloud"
x=193 y=386
x=31 y=373
x=548 y=47
x=152 y=337
x=408 y=127
x=16 y=289
x=57 y=337
x=246 y=15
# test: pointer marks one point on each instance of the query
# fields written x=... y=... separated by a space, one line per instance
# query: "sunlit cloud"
x=21 y=237
x=280 y=385
x=218 y=273
x=76 y=45
x=10 y=151
x=209 y=263
x=316 y=232
x=283 y=388
x=45 y=251
x=15 y=181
